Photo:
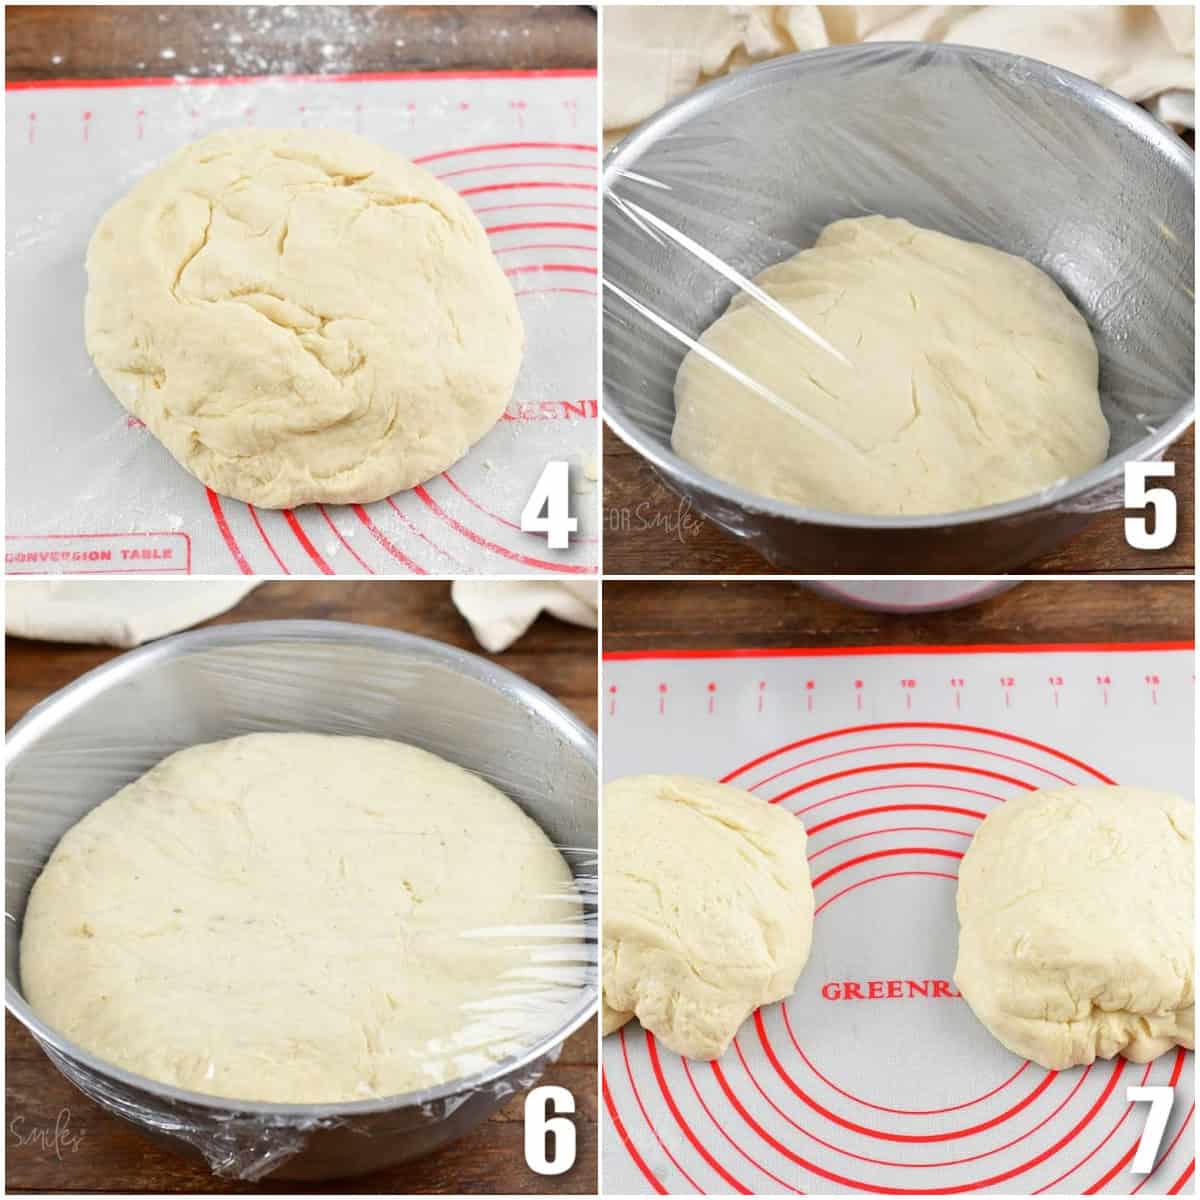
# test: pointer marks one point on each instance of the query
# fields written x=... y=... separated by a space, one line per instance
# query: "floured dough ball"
x=298 y=918
x=301 y=316
x=952 y=376
x=1075 y=909
x=708 y=908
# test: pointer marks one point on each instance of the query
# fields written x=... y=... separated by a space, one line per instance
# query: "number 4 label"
x=1157 y=500
x=1160 y=1099
x=546 y=509
x=548 y=1126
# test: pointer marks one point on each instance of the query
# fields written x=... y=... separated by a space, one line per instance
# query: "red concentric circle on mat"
x=816 y=1094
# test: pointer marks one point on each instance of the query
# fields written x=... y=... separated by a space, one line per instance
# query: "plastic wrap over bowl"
x=88 y=740
x=977 y=144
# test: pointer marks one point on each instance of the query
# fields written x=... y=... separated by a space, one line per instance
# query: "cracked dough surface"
x=1075 y=908
x=962 y=377
x=707 y=909
x=303 y=918
x=301 y=316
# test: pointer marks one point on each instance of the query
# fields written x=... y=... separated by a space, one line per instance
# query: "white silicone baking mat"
x=91 y=491
x=892 y=758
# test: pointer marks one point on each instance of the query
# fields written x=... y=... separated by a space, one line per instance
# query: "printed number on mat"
x=1160 y=1100
x=546 y=509
x=549 y=1130
x=1156 y=501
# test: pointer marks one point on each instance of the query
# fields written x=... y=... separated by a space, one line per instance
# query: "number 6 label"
x=548 y=1126
x=1157 y=500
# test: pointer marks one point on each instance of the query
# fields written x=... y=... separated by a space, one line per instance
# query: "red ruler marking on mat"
x=190 y=81
x=214 y=502
x=853 y=651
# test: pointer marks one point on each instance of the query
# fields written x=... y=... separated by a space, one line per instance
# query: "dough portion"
x=707 y=908
x=1075 y=907
x=301 y=316
x=304 y=918
x=953 y=376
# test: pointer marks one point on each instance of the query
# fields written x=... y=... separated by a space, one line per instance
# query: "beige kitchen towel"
x=653 y=55
x=499 y=612
x=118 y=612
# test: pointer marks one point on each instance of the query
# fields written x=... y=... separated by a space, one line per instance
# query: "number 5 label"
x=548 y=1112
x=1157 y=500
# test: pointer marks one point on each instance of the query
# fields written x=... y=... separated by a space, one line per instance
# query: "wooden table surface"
x=115 y=41
x=702 y=614
x=114 y=1156
x=645 y=533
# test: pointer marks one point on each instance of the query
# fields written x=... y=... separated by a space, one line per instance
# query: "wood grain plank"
x=702 y=614
x=118 y=41
x=650 y=530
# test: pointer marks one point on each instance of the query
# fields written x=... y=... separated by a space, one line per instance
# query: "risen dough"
x=708 y=908
x=962 y=377
x=299 y=315
x=300 y=918
x=1075 y=909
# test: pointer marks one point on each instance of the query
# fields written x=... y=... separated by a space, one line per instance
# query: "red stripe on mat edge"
x=904 y=1138
x=540 y=225
x=687 y=1070
x=531 y=183
x=957 y=1189
x=894 y=853
x=1011 y=737
x=290 y=517
x=539 y=204
x=263 y=534
x=518 y=166
x=656 y=1066
x=873 y=768
x=835 y=651
x=623 y=1134
x=427 y=158
x=382 y=539
x=410 y=525
x=226 y=80
x=811 y=830
x=582 y=270
x=637 y=1098
x=1178 y=1185
x=472 y=536
x=337 y=533
x=543 y=246
x=556 y=291
x=214 y=502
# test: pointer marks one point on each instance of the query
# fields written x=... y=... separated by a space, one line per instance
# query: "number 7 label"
x=1160 y=1100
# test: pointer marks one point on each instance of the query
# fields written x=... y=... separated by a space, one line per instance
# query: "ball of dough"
x=708 y=908
x=1075 y=909
x=952 y=376
x=298 y=918
x=302 y=316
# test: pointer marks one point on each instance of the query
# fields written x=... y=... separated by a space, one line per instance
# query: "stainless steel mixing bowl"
x=978 y=144
x=80 y=746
